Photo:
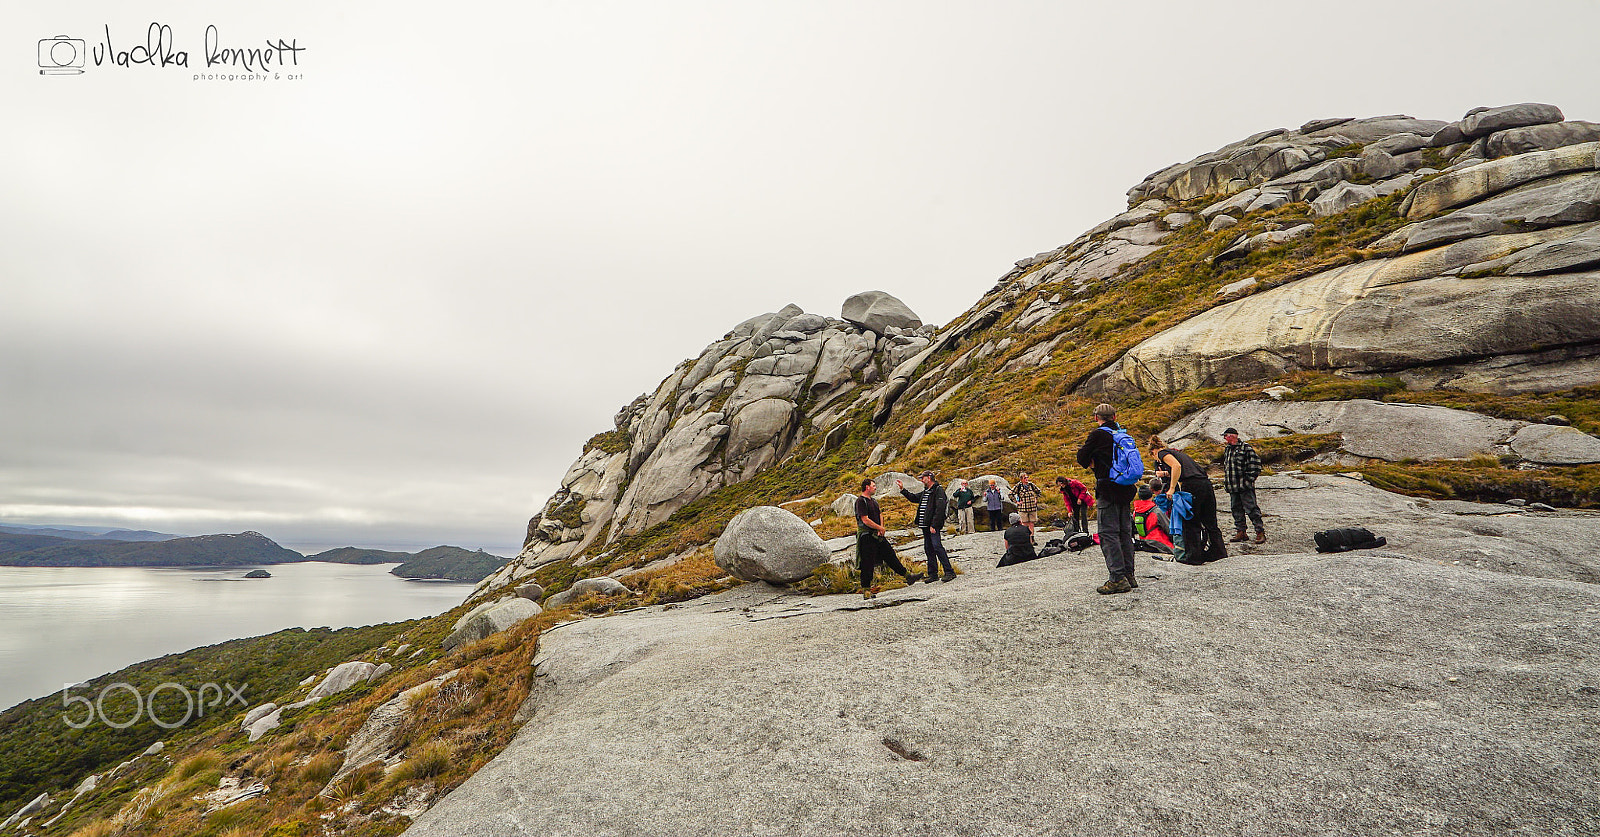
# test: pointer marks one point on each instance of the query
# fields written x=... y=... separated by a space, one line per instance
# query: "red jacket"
x=1146 y=511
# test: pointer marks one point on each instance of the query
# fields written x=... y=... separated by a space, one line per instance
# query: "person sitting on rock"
x=872 y=542
x=1019 y=543
x=930 y=521
x=995 y=505
x=1078 y=500
x=1150 y=524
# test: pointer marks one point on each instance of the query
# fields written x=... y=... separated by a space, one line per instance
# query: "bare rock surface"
x=1379 y=315
x=1363 y=689
x=1371 y=429
x=1549 y=444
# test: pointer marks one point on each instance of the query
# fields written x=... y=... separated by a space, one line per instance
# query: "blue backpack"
x=1126 y=466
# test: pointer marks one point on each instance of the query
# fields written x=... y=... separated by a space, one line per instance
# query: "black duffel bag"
x=1344 y=540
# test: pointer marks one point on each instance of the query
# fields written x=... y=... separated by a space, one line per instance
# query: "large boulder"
x=1341 y=197
x=600 y=586
x=498 y=617
x=875 y=311
x=342 y=677
x=1486 y=122
x=769 y=544
x=886 y=484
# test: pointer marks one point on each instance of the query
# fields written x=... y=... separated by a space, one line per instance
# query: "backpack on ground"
x=1052 y=548
x=1346 y=539
x=1080 y=541
x=1127 y=468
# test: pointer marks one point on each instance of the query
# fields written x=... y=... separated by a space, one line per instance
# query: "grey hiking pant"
x=1243 y=503
x=1116 y=536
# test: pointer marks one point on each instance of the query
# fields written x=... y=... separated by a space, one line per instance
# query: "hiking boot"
x=932 y=577
x=1240 y=537
x=870 y=593
x=913 y=579
x=947 y=577
x=1261 y=536
x=1132 y=582
x=1116 y=585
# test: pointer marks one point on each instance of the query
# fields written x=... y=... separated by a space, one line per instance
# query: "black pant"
x=997 y=519
x=933 y=547
x=1202 y=537
x=1080 y=518
x=872 y=551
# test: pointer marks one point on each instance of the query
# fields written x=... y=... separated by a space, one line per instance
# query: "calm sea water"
x=62 y=625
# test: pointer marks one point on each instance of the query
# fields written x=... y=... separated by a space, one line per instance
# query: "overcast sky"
x=382 y=297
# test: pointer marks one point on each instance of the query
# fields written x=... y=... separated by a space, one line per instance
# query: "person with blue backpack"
x=1113 y=455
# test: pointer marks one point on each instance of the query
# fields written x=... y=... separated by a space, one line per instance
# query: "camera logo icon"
x=61 y=56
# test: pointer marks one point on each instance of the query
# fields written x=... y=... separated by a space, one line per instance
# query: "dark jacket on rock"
x=1096 y=455
x=931 y=504
x=1019 y=546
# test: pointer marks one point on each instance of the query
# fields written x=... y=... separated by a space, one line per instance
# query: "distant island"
x=357 y=555
x=32 y=546
x=450 y=563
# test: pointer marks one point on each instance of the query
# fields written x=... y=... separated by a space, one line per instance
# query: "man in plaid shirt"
x=1026 y=496
x=1240 y=467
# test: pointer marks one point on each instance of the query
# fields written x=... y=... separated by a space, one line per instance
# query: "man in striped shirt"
x=930 y=521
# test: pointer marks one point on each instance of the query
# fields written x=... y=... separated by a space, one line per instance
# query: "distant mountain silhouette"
x=87 y=533
x=244 y=548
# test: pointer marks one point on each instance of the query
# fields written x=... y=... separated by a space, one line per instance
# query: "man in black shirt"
x=1114 y=503
x=872 y=542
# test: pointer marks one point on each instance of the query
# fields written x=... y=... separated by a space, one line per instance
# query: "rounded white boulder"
x=769 y=544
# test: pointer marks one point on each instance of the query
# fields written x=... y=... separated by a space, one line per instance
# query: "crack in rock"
x=899 y=748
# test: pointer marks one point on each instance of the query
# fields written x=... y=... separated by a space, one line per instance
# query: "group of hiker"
x=1173 y=515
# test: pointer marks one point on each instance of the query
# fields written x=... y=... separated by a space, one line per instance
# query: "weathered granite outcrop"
x=1491 y=288
x=720 y=418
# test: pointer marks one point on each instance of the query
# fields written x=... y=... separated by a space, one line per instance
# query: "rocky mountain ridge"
x=1479 y=275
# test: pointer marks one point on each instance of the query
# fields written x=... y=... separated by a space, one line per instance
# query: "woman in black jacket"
x=1202 y=537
